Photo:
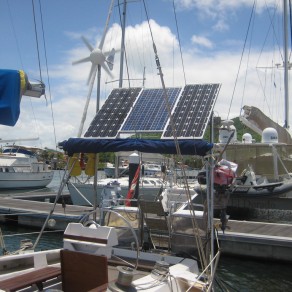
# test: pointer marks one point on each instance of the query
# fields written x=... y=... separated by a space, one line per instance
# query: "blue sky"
x=212 y=35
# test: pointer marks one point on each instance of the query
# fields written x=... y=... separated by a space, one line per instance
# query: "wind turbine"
x=98 y=59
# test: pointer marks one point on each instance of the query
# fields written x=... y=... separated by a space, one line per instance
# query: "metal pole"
x=286 y=65
x=123 y=44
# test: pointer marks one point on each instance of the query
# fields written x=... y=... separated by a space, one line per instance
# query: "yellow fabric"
x=74 y=160
x=90 y=165
x=22 y=82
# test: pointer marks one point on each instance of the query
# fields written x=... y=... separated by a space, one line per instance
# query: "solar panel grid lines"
x=193 y=111
x=137 y=110
x=149 y=113
x=107 y=122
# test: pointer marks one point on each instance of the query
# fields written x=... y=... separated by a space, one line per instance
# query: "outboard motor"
x=224 y=173
x=110 y=194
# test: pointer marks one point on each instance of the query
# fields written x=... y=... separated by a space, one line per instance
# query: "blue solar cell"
x=135 y=110
x=193 y=111
x=150 y=111
x=111 y=116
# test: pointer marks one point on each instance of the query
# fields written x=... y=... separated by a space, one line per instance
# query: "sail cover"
x=187 y=147
x=9 y=97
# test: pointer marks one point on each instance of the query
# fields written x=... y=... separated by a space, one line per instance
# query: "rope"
x=14 y=33
x=290 y=16
x=123 y=51
x=36 y=39
x=178 y=37
x=194 y=222
x=48 y=76
x=232 y=97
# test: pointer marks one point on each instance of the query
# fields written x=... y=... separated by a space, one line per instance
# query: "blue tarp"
x=187 y=147
x=9 y=97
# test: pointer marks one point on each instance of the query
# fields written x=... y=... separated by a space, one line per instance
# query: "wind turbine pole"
x=98 y=87
x=286 y=65
x=86 y=106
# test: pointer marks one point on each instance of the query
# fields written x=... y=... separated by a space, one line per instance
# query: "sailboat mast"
x=123 y=44
x=286 y=65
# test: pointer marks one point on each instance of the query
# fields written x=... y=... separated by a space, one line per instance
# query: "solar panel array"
x=193 y=111
x=150 y=111
x=110 y=117
x=135 y=110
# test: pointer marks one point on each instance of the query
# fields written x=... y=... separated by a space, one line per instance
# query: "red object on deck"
x=132 y=188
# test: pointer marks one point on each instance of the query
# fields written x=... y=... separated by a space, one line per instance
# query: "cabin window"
x=146 y=182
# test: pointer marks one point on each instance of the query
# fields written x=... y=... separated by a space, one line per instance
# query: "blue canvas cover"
x=9 y=97
x=187 y=147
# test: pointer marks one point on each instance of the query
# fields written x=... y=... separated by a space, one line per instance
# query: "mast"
x=123 y=44
x=117 y=162
x=286 y=65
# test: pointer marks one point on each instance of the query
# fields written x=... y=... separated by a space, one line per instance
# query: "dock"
x=269 y=241
x=34 y=213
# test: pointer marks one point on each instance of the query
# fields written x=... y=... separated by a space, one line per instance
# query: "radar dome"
x=247 y=138
x=270 y=135
x=226 y=130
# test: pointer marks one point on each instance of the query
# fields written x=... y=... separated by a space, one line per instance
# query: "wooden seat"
x=83 y=272
x=157 y=222
x=37 y=277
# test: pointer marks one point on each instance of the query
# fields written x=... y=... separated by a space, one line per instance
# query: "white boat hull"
x=23 y=180
x=88 y=192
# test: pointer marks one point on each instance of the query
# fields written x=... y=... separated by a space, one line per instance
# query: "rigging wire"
x=245 y=77
x=37 y=41
x=237 y=75
x=123 y=50
x=290 y=17
x=203 y=257
x=271 y=17
x=274 y=32
x=48 y=75
x=179 y=42
x=15 y=36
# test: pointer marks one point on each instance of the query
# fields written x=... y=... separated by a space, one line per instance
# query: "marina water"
x=233 y=274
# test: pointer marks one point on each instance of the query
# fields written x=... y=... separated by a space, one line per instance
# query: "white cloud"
x=69 y=89
x=202 y=41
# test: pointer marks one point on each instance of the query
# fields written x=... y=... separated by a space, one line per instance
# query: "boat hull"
x=277 y=190
x=25 y=180
x=110 y=171
x=87 y=190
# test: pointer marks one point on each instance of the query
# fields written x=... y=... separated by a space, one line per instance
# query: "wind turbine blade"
x=92 y=73
x=111 y=52
x=106 y=69
x=87 y=59
x=110 y=59
x=106 y=25
x=88 y=45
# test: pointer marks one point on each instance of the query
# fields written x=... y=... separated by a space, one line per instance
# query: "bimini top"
x=187 y=147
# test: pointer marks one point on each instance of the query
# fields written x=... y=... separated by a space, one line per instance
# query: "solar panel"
x=192 y=112
x=150 y=112
x=109 y=119
x=134 y=110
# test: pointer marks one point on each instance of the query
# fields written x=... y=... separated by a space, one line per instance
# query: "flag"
x=132 y=188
